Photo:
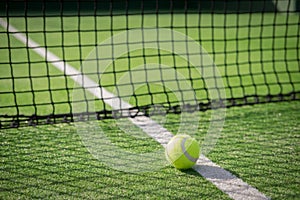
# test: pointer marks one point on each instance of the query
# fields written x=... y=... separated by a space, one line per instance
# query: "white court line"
x=233 y=186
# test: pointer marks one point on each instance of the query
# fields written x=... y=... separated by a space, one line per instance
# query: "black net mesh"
x=253 y=44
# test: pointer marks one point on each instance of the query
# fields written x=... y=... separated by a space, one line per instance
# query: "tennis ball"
x=182 y=151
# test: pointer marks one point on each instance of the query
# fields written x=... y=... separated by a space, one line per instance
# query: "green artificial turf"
x=259 y=144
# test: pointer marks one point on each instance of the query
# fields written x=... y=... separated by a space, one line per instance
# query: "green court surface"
x=259 y=144
x=257 y=54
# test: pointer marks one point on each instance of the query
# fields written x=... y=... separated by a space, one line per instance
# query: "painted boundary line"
x=233 y=186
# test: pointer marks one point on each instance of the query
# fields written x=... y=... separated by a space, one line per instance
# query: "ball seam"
x=184 y=150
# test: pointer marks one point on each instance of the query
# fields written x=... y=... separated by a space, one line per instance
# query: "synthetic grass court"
x=259 y=144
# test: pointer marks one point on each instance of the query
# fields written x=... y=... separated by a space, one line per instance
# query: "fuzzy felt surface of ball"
x=182 y=151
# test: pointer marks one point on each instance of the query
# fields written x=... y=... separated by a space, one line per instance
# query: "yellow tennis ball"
x=182 y=151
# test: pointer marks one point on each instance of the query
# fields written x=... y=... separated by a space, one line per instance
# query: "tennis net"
x=254 y=46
